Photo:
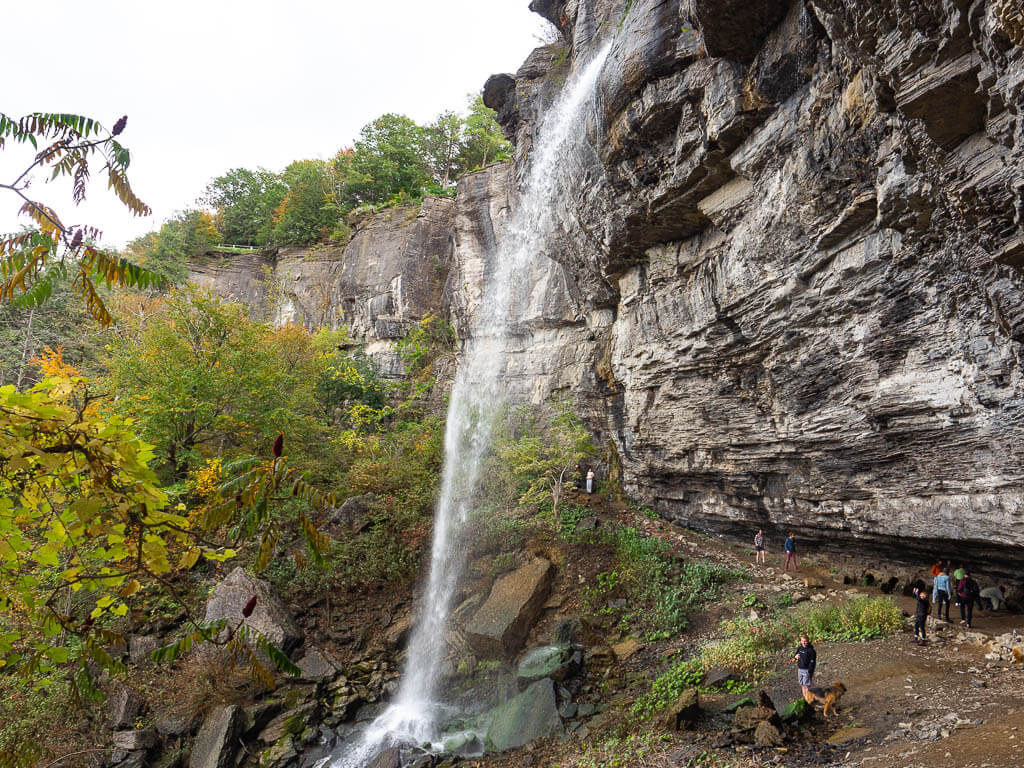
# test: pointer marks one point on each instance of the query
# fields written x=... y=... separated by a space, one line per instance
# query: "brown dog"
x=828 y=696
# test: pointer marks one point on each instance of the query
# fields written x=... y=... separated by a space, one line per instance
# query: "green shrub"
x=668 y=687
x=569 y=516
x=752 y=647
x=661 y=591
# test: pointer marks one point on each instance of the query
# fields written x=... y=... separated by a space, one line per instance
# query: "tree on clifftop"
x=245 y=201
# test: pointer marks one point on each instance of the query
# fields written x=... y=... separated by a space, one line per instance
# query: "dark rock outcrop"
x=785 y=286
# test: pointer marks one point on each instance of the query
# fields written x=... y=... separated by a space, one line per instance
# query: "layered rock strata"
x=791 y=287
x=786 y=283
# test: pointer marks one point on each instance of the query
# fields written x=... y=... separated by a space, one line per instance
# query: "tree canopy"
x=395 y=160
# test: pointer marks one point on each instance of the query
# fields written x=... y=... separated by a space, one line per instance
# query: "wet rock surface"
x=531 y=715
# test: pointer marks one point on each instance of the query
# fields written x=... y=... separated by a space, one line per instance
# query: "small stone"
x=626 y=648
x=123 y=705
x=130 y=741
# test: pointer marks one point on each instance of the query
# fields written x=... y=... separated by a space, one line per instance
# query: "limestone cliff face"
x=387 y=277
x=789 y=286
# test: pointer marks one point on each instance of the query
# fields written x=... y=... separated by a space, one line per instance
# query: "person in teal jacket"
x=942 y=593
x=790 y=547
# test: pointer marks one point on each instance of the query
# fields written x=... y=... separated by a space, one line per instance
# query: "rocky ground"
x=944 y=704
x=953 y=702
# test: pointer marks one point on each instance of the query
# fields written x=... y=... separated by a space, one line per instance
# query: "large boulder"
x=354 y=513
x=747 y=718
x=217 y=740
x=317 y=667
x=269 y=616
x=533 y=714
x=504 y=620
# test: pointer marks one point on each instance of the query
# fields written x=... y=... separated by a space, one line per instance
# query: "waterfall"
x=477 y=392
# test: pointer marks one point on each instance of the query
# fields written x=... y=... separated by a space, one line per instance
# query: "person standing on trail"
x=920 y=615
x=968 y=591
x=806 y=658
x=958 y=574
x=760 y=552
x=942 y=592
x=790 y=547
x=937 y=568
x=590 y=480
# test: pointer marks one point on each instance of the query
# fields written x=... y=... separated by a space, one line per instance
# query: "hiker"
x=957 y=575
x=760 y=552
x=937 y=568
x=790 y=547
x=942 y=592
x=996 y=597
x=590 y=480
x=806 y=657
x=920 y=615
x=968 y=592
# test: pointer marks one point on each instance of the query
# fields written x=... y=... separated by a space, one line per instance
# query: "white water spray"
x=414 y=715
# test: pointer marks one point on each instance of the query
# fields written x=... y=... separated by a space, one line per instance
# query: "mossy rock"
x=797 y=711
x=533 y=714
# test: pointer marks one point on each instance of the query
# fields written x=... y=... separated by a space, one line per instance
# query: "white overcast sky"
x=209 y=86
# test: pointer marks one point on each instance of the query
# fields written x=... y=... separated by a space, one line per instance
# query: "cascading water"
x=413 y=717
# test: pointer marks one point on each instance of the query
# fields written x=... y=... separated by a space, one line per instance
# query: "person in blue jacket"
x=942 y=593
x=790 y=547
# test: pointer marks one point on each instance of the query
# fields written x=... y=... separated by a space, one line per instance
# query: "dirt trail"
x=943 y=704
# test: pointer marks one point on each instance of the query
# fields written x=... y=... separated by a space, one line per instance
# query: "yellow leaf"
x=190 y=558
x=130 y=588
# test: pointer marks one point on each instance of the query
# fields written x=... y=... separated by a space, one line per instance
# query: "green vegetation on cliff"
x=394 y=161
